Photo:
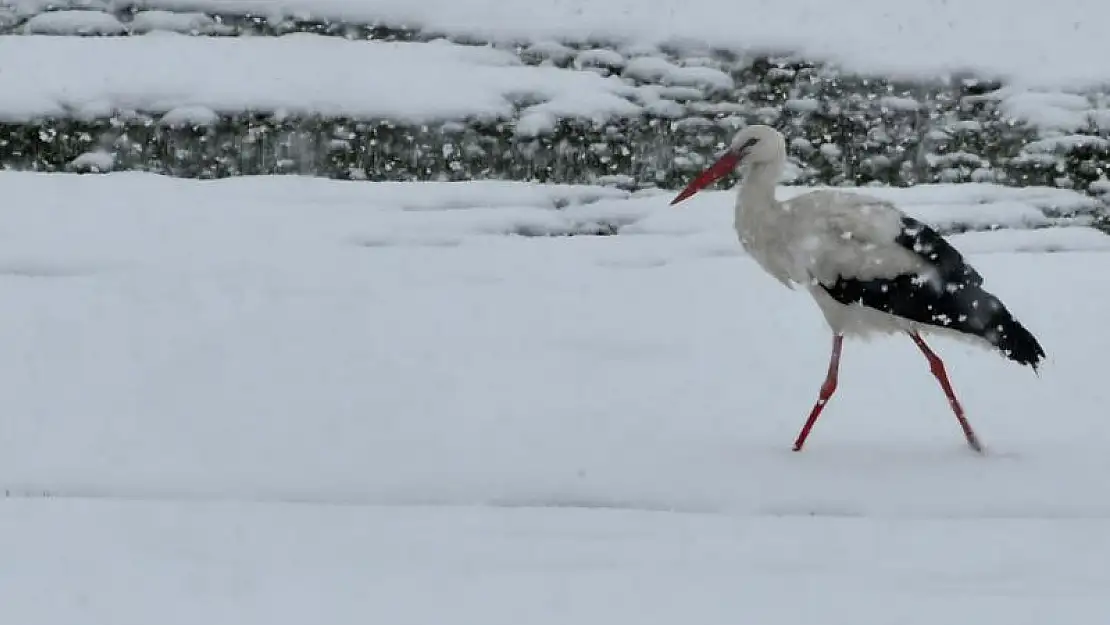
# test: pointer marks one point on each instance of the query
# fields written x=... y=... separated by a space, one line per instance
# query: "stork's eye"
x=747 y=145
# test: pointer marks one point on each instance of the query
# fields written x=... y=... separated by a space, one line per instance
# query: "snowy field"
x=284 y=401
x=294 y=400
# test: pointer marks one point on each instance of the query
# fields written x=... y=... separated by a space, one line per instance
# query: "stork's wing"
x=936 y=292
x=937 y=253
x=849 y=235
x=946 y=293
x=853 y=235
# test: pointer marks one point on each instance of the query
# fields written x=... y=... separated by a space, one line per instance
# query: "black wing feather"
x=953 y=299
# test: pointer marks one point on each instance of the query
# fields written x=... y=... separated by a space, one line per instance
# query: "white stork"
x=870 y=268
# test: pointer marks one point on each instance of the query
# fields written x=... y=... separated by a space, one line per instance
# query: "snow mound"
x=189 y=116
x=868 y=35
x=1049 y=110
x=366 y=80
x=186 y=23
x=74 y=23
x=97 y=161
x=871 y=36
x=656 y=69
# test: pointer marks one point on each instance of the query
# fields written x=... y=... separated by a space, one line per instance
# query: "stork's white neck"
x=757 y=191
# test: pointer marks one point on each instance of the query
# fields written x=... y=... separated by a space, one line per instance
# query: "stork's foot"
x=974 y=444
x=827 y=390
x=936 y=366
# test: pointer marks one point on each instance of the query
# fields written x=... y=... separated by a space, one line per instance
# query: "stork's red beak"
x=713 y=173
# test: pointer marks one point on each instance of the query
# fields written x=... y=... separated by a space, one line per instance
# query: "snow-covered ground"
x=287 y=400
x=132 y=563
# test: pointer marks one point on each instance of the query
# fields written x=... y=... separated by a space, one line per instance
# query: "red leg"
x=827 y=390
x=937 y=367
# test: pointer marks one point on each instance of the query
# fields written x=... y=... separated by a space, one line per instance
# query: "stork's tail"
x=1011 y=338
x=1018 y=344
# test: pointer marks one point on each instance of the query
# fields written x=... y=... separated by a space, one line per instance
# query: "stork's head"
x=754 y=145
